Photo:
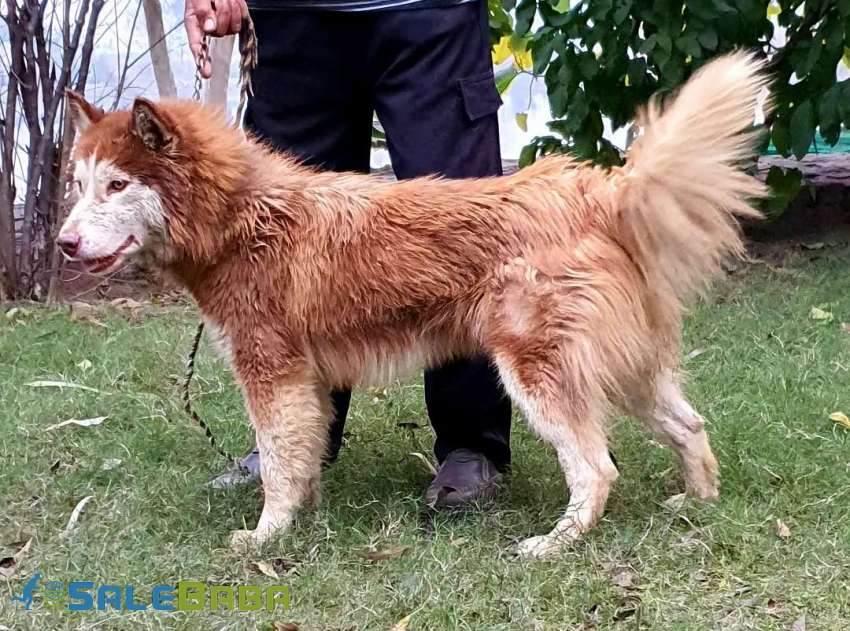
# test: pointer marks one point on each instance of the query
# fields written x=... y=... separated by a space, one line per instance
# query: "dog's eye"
x=117 y=185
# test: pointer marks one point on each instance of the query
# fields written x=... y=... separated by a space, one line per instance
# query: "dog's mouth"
x=104 y=263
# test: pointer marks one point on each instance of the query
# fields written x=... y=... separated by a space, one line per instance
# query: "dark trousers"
x=428 y=75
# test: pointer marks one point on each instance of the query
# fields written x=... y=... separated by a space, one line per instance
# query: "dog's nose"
x=69 y=243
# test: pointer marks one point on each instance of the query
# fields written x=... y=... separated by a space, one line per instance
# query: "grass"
x=764 y=373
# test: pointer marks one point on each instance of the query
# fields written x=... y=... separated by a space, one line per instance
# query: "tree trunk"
x=159 y=49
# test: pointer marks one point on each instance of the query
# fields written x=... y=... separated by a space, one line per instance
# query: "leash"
x=248 y=61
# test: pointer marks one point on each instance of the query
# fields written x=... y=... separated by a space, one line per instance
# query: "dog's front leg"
x=291 y=422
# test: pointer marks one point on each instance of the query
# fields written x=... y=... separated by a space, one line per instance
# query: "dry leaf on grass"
x=820 y=314
x=110 y=463
x=85 y=422
x=625 y=578
x=840 y=418
x=285 y=626
x=675 y=502
x=403 y=624
x=75 y=515
x=782 y=529
x=84 y=365
x=845 y=327
x=283 y=564
x=266 y=568
x=375 y=556
x=127 y=304
x=695 y=353
x=46 y=383
x=799 y=624
x=9 y=565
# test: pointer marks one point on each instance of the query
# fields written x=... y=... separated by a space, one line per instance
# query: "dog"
x=571 y=278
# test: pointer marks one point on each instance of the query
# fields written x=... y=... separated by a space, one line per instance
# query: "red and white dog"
x=571 y=278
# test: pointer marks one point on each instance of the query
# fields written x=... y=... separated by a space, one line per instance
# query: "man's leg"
x=437 y=100
x=312 y=99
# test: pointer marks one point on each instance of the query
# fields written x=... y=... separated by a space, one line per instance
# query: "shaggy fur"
x=571 y=278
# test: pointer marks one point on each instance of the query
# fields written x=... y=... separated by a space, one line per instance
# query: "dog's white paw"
x=540 y=547
x=244 y=540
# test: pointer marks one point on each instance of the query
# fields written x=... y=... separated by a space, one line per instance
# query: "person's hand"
x=212 y=17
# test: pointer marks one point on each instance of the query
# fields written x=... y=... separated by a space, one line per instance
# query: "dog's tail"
x=684 y=188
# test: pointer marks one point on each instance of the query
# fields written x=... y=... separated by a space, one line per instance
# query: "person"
x=424 y=67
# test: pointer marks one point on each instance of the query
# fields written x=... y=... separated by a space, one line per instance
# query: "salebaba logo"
x=184 y=596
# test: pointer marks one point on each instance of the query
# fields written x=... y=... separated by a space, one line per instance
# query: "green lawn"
x=763 y=372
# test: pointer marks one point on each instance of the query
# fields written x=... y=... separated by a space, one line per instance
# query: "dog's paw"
x=244 y=540
x=540 y=547
x=705 y=493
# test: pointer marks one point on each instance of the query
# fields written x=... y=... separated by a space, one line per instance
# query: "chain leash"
x=248 y=61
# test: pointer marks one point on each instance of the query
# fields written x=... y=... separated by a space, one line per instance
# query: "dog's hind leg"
x=564 y=413
x=675 y=423
x=291 y=423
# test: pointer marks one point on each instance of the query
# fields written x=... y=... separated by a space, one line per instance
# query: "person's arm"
x=212 y=17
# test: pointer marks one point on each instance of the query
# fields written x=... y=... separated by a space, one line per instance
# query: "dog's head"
x=144 y=180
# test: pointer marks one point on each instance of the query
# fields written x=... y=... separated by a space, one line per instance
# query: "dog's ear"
x=83 y=114
x=153 y=125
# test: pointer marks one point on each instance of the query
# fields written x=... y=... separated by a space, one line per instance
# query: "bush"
x=601 y=58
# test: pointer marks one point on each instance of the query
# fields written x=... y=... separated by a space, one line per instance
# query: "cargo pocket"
x=480 y=97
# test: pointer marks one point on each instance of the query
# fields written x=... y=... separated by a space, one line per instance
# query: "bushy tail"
x=684 y=187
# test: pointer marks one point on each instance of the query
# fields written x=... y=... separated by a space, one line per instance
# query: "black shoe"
x=464 y=477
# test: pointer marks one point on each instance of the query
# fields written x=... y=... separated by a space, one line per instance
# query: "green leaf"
x=541 y=50
x=578 y=109
x=508 y=5
x=588 y=65
x=562 y=6
x=637 y=72
x=814 y=56
x=525 y=15
x=598 y=9
x=689 y=45
x=557 y=86
x=505 y=78
x=844 y=103
x=648 y=44
x=781 y=136
x=802 y=129
x=708 y=38
x=834 y=36
x=527 y=155
x=622 y=11
x=829 y=110
x=701 y=9
x=784 y=188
